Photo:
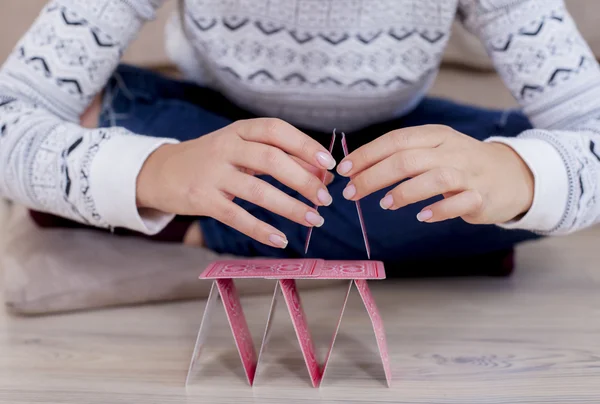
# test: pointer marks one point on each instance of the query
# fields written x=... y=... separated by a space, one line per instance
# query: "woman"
x=267 y=81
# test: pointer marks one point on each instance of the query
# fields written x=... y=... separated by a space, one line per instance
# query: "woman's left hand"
x=484 y=183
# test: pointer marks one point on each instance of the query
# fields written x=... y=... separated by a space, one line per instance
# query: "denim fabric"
x=150 y=104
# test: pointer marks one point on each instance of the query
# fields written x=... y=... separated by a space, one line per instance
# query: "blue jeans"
x=150 y=104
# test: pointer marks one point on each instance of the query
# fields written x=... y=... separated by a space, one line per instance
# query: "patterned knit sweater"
x=315 y=63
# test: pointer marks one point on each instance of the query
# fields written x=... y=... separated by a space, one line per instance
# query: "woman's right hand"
x=201 y=177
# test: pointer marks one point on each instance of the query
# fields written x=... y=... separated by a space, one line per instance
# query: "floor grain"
x=532 y=338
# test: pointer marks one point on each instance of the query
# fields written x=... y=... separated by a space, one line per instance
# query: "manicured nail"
x=424 y=215
x=345 y=167
x=324 y=197
x=386 y=202
x=349 y=191
x=278 y=241
x=326 y=160
x=314 y=219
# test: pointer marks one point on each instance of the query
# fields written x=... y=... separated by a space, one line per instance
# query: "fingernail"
x=345 y=167
x=324 y=197
x=314 y=219
x=424 y=215
x=349 y=191
x=278 y=241
x=326 y=160
x=386 y=202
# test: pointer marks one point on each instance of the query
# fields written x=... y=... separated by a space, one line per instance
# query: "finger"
x=234 y=216
x=329 y=177
x=466 y=203
x=278 y=133
x=324 y=175
x=437 y=181
x=263 y=194
x=418 y=137
x=393 y=169
x=316 y=171
x=276 y=163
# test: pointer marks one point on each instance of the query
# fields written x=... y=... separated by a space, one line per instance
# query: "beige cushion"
x=47 y=271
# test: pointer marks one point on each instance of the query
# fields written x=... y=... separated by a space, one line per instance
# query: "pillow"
x=57 y=270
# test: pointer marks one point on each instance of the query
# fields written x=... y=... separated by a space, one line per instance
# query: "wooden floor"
x=533 y=338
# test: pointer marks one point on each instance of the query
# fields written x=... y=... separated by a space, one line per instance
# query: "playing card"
x=203 y=331
x=239 y=326
x=358 y=209
x=336 y=331
x=292 y=300
x=268 y=326
x=369 y=301
x=310 y=229
x=351 y=270
x=262 y=268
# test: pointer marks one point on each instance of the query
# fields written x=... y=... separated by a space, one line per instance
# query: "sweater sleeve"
x=551 y=71
x=47 y=161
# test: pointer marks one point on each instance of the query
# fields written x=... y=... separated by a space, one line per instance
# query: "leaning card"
x=376 y=320
x=351 y=270
x=262 y=268
x=310 y=229
x=361 y=220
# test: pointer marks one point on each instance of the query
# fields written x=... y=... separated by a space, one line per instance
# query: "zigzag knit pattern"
x=315 y=63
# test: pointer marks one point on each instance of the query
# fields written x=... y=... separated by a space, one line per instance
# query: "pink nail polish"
x=324 y=197
x=314 y=219
x=387 y=202
x=325 y=160
x=424 y=215
x=278 y=241
x=345 y=167
x=349 y=191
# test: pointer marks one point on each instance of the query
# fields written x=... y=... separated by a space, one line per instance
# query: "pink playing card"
x=369 y=301
x=351 y=270
x=310 y=229
x=361 y=220
x=262 y=268
x=239 y=326
x=203 y=331
x=268 y=326
x=292 y=300
x=336 y=331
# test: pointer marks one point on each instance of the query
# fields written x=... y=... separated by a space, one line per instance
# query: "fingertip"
x=349 y=192
x=324 y=197
x=329 y=177
x=425 y=215
x=344 y=167
x=277 y=240
x=387 y=202
x=326 y=160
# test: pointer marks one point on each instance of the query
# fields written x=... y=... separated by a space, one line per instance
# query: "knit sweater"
x=315 y=63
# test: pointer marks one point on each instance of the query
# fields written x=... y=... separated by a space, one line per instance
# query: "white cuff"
x=551 y=188
x=113 y=177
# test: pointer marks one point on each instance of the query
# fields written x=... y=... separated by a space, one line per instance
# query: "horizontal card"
x=351 y=270
x=262 y=268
